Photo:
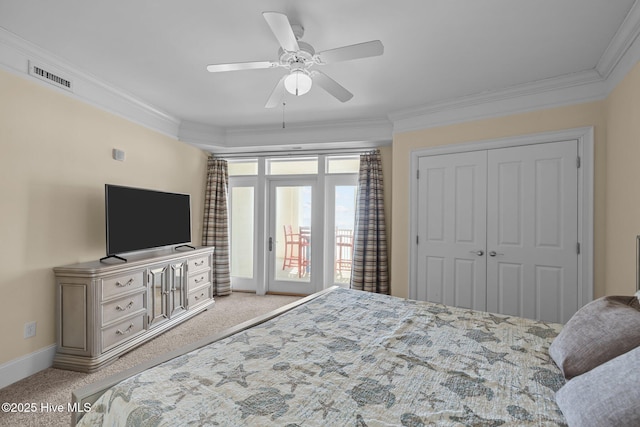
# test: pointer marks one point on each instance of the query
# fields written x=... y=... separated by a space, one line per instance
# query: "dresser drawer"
x=199 y=279
x=113 y=286
x=199 y=263
x=122 y=331
x=199 y=296
x=114 y=310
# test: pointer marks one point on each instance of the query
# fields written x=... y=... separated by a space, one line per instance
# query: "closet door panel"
x=452 y=229
x=532 y=225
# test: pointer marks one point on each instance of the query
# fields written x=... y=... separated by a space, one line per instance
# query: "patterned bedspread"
x=358 y=359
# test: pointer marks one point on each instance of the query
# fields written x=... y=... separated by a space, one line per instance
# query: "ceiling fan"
x=298 y=58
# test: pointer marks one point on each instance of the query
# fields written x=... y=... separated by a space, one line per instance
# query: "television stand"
x=104 y=310
x=184 y=246
x=113 y=256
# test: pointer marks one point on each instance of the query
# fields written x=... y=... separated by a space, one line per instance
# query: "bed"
x=346 y=357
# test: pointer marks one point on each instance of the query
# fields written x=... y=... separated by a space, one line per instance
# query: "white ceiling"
x=435 y=50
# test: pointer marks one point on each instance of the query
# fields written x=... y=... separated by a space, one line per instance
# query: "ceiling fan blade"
x=216 y=68
x=354 y=51
x=331 y=86
x=277 y=94
x=281 y=28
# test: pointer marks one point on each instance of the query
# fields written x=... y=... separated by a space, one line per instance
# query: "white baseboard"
x=25 y=366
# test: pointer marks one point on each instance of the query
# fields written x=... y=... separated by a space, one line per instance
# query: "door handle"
x=494 y=253
x=270 y=244
x=479 y=253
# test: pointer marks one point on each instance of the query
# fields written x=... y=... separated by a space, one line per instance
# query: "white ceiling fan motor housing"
x=304 y=55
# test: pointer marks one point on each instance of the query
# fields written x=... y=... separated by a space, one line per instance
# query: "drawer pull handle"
x=198 y=264
x=197 y=298
x=126 y=331
x=127 y=283
x=126 y=307
x=199 y=280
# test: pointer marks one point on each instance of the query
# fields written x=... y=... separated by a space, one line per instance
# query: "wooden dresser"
x=105 y=309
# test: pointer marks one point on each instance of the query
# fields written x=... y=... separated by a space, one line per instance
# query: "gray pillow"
x=598 y=332
x=608 y=395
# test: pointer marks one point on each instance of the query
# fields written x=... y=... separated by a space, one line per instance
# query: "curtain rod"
x=292 y=153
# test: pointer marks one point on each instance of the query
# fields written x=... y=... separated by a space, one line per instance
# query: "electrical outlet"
x=30 y=329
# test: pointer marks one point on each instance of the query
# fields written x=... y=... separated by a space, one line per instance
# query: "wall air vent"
x=49 y=76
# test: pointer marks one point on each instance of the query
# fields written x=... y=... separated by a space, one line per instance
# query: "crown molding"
x=305 y=136
x=627 y=46
x=289 y=149
x=559 y=91
x=201 y=135
x=15 y=54
x=620 y=43
x=377 y=129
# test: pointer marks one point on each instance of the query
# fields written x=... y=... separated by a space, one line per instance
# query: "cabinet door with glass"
x=157 y=287
x=178 y=288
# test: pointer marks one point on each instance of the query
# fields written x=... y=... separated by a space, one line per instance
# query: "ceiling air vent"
x=48 y=76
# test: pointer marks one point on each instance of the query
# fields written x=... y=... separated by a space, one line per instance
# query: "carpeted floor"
x=54 y=386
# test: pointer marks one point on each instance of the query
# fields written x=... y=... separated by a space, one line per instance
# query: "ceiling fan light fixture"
x=298 y=82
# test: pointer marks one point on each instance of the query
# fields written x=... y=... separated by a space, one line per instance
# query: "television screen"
x=139 y=219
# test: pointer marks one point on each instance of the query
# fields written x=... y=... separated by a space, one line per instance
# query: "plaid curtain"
x=369 y=271
x=215 y=230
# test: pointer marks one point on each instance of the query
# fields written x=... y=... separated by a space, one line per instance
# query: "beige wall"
x=55 y=159
x=590 y=114
x=622 y=201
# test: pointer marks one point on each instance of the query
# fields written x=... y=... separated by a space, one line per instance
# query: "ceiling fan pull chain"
x=283 y=104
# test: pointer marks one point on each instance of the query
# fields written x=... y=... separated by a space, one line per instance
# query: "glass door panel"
x=345 y=212
x=290 y=241
x=242 y=231
x=243 y=224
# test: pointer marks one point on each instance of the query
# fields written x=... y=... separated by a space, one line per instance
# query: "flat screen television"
x=138 y=219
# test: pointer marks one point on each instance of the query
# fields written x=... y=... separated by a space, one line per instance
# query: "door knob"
x=494 y=253
x=479 y=253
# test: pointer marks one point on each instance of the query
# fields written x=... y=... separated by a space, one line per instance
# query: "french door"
x=291 y=222
x=498 y=230
x=294 y=236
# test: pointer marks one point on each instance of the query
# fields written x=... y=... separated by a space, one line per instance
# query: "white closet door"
x=452 y=229
x=532 y=202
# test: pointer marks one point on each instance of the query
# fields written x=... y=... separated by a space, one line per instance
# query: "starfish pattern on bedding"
x=314 y=330
x=498 y=320
x=237 y=375
x=441 y=322
x=126 y=388
x=492 y=356
x=294 y=382
x=331 y=365
x=325 y=407
x=390 y=373
x=243 y=338
x=413 y=360
x=431 y=398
